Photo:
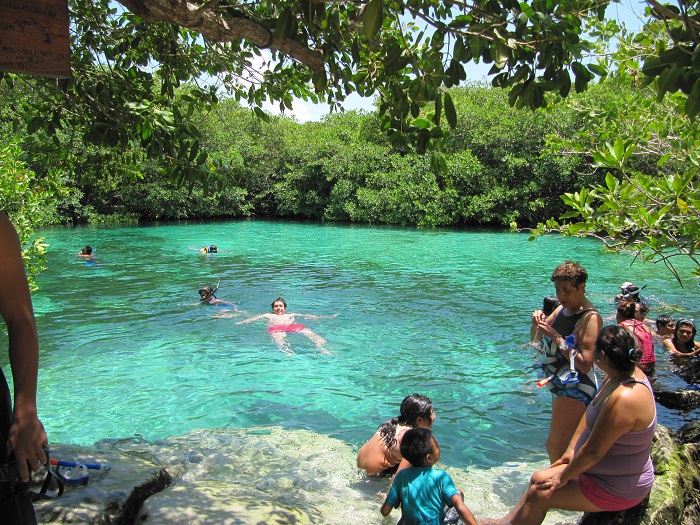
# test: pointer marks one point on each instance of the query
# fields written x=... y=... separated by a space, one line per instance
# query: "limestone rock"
x=112 y=496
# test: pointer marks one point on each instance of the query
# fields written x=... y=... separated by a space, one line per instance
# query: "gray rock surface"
x=277 y=476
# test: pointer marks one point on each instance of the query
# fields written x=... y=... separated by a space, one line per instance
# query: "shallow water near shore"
x=127 y=351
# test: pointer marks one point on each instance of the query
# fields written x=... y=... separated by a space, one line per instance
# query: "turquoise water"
x=127 y=351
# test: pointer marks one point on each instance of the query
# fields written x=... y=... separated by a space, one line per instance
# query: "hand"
x=550 y=484
x=27 y=440
x=538 y=317
x=546 y=329
x=565 y=459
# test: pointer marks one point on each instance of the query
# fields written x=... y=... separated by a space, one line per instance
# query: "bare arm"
x=463 y=510
x=537 y=317
x=386 y=509
x=27 y=436
x=668 y=344
x=312 y=316
x=625 y=409
x=251 y=319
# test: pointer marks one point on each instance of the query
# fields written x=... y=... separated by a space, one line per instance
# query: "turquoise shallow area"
x=126 y=350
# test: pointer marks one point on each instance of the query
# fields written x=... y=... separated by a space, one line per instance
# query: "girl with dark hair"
x=382 y=453
x=607 y=466
x=683 y=341
x=626 y=311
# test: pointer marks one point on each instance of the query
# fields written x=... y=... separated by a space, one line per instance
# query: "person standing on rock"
x=22 y=436
x=607 y=465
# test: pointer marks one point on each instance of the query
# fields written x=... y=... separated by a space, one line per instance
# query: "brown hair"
x=627 y=310
x=279 y=299
x=570 y=271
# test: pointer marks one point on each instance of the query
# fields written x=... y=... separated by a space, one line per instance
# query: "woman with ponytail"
x=607 y=466
x=382 y=453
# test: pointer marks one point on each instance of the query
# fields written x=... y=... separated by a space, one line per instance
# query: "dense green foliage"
x=26 y=201
x=649 y=151
x=344 y=169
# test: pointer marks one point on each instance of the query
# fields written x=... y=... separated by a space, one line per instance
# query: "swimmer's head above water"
x=279 y=306
x=208 y=292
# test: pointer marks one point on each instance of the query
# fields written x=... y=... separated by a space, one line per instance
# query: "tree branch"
x=209 y=21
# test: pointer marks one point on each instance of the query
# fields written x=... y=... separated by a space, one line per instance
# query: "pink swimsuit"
x=286 y=328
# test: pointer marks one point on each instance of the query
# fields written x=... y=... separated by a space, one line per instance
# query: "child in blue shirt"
x=421 y=490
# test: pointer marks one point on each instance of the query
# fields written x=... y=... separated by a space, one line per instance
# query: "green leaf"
x=438 y=108
x=450 y=113
x=692 y=103
x=668 y=82
x=373 y=18
x=599 y=70
x=261 y=114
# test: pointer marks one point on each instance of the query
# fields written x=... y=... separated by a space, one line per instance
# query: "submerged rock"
x=679 y=399
x=278 y=476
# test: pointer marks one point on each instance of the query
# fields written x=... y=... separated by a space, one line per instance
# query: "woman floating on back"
x=280 y=323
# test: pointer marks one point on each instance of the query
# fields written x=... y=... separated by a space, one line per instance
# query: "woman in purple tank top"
x=607 y=466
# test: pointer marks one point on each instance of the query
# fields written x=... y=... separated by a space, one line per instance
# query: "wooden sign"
x=34 y=37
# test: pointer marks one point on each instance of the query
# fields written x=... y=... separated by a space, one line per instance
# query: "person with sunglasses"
x=683 y=341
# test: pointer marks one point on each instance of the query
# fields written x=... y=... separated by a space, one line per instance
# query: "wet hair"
x=87 y=250
x=412 y=407
x=627 y=310
x=279 y=300
x=679 y=324
x=620 y=347
x=549 y=304
x=212 y=248
x=570 y=271
x=642 y=308
x=206 y=292
x=663 y=320
x=416 y=444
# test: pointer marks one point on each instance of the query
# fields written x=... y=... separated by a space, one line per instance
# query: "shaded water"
x=126 y=350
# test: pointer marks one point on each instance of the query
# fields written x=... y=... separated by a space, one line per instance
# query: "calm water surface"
x=126 y=350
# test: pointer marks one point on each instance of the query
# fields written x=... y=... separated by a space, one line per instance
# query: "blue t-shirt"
x=423 y=493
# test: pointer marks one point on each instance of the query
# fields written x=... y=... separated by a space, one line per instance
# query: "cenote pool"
x=127 y=351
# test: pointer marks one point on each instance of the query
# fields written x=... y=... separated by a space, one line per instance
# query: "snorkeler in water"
x=279 y=323
x=209 y=248
x=86 y=253
x=207 y=296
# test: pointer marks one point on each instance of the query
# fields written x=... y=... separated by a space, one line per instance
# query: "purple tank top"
x=626 y=471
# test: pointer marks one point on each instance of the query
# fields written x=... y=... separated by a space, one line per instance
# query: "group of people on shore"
x=600 y=433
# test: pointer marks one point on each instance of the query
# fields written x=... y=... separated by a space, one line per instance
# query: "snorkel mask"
x=206 y=293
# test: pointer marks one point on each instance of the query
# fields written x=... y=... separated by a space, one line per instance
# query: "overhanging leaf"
x=373 y=18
